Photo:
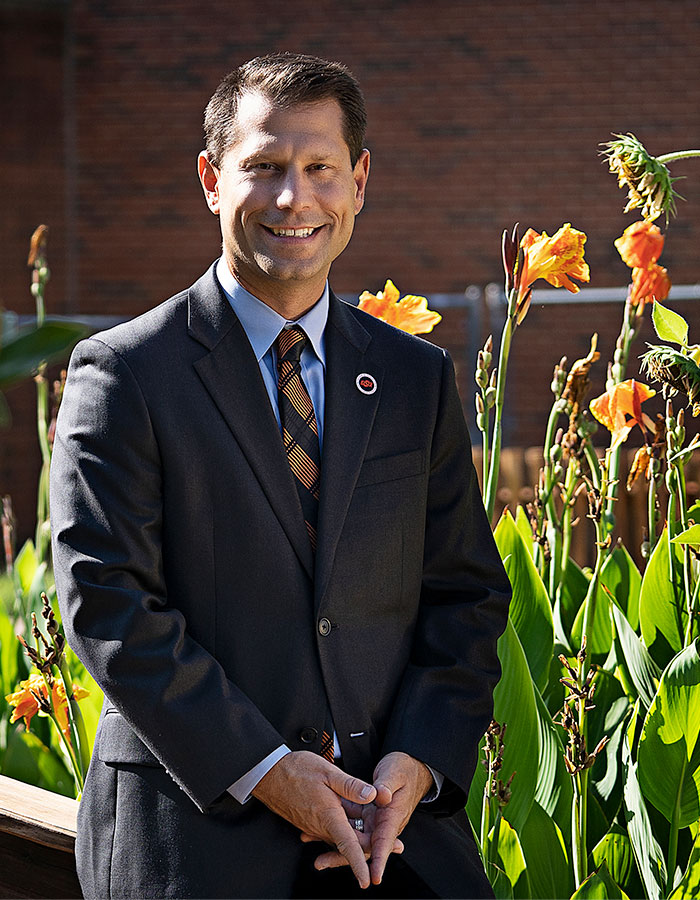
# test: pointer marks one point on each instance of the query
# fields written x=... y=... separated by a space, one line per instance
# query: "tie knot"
x=290 y=343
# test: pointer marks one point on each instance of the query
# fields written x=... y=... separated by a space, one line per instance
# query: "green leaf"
x=620 y=583
x=512 y=860
x=689 y=536
x=647 y=853
x=669 y=748
x=633 y=657
x=669 y=325
x=615 y=850
x=574 y=589
x=554 y=788
x=548 y=868
x=9 y=647
x=28 y=759
x=22 y=355
x=600 y=886
x=661 y=612
x=689 y=886
x=514 y=705
x=91 y=705
x=523 y=524
x=26 y=565
x=530 y=610
x=609 y=717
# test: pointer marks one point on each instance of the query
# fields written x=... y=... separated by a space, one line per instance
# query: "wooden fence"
x=519 y=474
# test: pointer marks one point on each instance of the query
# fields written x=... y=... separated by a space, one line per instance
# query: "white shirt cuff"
x=434 y=792
x=246 y=784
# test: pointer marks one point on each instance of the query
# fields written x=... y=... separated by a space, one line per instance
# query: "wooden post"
x=37 y=842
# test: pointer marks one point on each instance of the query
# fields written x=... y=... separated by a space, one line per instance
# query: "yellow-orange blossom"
x=557 y=259
x=620 y=409
x=410 y=313
x=26 y=704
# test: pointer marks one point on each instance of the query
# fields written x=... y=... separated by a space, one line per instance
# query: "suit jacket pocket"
x=391 y=468
x=118 y=743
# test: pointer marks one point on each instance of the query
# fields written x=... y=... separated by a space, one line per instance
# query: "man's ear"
x=361 y=174
x=209 y=179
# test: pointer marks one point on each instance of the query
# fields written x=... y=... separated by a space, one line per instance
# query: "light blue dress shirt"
x=262 y=325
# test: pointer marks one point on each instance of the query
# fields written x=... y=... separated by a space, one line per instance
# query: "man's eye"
x=319 y=167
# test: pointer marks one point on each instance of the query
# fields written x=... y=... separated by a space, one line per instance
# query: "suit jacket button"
x=324 y=626
x=308 y=735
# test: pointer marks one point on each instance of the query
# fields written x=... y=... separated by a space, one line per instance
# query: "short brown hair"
x=286 y=79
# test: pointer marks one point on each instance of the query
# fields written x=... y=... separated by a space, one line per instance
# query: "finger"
x=385 y=793
x=383 y=841
x=350 y=788
x=352 y=810
x=347 y=842
x=331 y=859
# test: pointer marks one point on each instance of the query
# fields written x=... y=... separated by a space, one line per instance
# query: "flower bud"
x=479 y=404
x=481 y=376
x=490 y=396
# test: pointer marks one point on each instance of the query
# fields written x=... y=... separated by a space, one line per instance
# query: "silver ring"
x=358 y=824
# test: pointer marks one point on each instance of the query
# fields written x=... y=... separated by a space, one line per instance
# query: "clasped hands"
x=321 y=800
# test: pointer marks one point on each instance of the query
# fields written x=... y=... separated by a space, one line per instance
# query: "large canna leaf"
x=28 y=759
x=530 y=610
x=23 y=354
x=9 y=647
x=512 y=862
x=669 y=748
x=600 y=886
x=615 y=850
x=514 y=705
x=523 y=524
x=689 y=886
x=619 y=584
x=554 y=786
x=661 y=612
x=641 y=674
x=647 y=853
x=548 y=868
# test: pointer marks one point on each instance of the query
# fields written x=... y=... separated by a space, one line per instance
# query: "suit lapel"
x=348 y=418
x=231 y=375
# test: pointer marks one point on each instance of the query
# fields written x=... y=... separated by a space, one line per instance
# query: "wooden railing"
x=37 y=842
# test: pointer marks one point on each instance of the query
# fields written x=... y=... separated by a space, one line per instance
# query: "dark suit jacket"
x=188 y=587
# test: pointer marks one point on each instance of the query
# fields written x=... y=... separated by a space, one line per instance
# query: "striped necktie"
x=299 y=428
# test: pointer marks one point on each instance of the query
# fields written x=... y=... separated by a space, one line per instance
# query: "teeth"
x=292 y=232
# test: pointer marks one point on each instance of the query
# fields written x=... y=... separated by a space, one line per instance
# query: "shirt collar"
x=262 y=324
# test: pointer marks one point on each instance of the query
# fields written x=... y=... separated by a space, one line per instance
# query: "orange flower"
x=649 y=285
x=410 y=313
x=620 y=409
x=640 y=245
x=33 y=697
x=557 y=259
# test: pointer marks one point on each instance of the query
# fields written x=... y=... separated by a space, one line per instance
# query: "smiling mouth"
x=292 y=232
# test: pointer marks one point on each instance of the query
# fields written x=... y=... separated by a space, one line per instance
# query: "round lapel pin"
x=366 y=384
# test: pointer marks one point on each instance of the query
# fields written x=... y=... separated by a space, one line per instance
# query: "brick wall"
x=481 y=114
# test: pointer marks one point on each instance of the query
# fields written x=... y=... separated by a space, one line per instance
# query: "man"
x=271 y=551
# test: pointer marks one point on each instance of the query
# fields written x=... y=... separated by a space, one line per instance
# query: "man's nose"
x=294 y=192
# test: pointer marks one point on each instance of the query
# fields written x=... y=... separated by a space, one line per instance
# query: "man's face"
x=287 y=195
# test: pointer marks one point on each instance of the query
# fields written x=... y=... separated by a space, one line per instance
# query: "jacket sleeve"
x=106 y=515
x=444 y=703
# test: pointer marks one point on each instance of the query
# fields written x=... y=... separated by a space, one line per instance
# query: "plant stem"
x=677 y=154
x=504 y=352
x=579 y=828
x=77 y=722
x=485 y=444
